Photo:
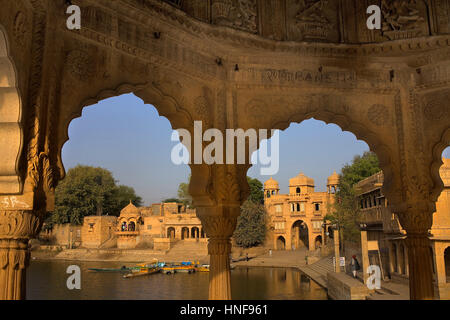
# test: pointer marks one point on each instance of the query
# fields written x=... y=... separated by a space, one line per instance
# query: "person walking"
x=354 y=266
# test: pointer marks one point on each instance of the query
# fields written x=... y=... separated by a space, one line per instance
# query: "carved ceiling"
x=333 y=21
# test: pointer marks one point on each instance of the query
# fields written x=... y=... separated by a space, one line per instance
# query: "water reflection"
x=47 y=280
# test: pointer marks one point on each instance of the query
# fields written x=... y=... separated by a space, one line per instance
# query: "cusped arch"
x=362 y=133
x=438 y=184
x=151 y=94
x=11 y=135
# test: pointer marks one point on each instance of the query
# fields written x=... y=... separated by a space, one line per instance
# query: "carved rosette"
x=378 y=114
x=80 y=65
x=435 y=106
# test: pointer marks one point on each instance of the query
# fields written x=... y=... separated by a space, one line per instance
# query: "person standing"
x=354 y=266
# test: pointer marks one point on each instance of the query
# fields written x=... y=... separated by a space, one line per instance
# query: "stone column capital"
x=416 y=217
x=19 y=224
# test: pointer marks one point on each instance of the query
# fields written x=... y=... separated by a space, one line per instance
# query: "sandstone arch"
x=221 y=71
x=437 y=163
x=165 y=104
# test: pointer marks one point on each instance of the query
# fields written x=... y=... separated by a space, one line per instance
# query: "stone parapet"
x=343 y=287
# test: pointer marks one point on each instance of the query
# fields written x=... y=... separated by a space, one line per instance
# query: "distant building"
x=296 y=219
x=384 y=229
x=157 y=226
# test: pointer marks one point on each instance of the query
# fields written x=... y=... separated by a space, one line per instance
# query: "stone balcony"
x=298 y=214
x=371 y=216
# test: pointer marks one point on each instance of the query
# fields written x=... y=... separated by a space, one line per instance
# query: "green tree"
x=256 y=190
x=346 y=207
x=183 y=193
x=251 y=225
x=88 y=191
x=121 y=197
x=173 y=200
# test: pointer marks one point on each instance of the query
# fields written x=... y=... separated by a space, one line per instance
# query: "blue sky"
x=127 y=137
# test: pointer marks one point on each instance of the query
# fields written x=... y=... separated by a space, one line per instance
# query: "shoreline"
x=286 y=259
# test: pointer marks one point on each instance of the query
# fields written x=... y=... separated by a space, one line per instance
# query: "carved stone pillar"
x=219 y=230
x=16 y=228
x=417 y=221
x=218 y=192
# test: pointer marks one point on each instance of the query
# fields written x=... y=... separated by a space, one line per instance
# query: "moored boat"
x=202 y=268
x=144 y=269
x=122 y=269
x=142 y=272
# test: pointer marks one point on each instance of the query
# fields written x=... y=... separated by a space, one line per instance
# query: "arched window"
x=298 y=206
x=297 y=191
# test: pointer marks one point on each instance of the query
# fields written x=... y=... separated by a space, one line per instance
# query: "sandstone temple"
x=260 y=64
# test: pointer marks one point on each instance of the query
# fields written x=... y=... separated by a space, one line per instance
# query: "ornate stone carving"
x=227 y=185
x=199 y=9
x=20 y=28
x=219 y=226
x=435 y=106
x=18 y=224
x=201 y=109
x=378 y=114
x=239 y=14
x=80 y=65
x=256 y=108
x=401 y=19
x=312 y=21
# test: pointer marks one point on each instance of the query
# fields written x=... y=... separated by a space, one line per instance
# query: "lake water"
x=46 y=280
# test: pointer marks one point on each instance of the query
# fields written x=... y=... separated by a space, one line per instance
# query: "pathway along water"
x=46 y=280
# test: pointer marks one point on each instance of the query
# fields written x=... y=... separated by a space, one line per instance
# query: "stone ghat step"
x=318 y=271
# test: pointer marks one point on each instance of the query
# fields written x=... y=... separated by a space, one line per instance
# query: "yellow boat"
x=184 y=268
x=143 y=269
x=167 y=269
x=142 y=272
x=202 y=268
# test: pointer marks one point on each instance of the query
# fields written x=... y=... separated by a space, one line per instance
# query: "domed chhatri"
x=271 y=184
x=333 y=182
x=333 y=179
x=130 y=209
x=301 y=180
